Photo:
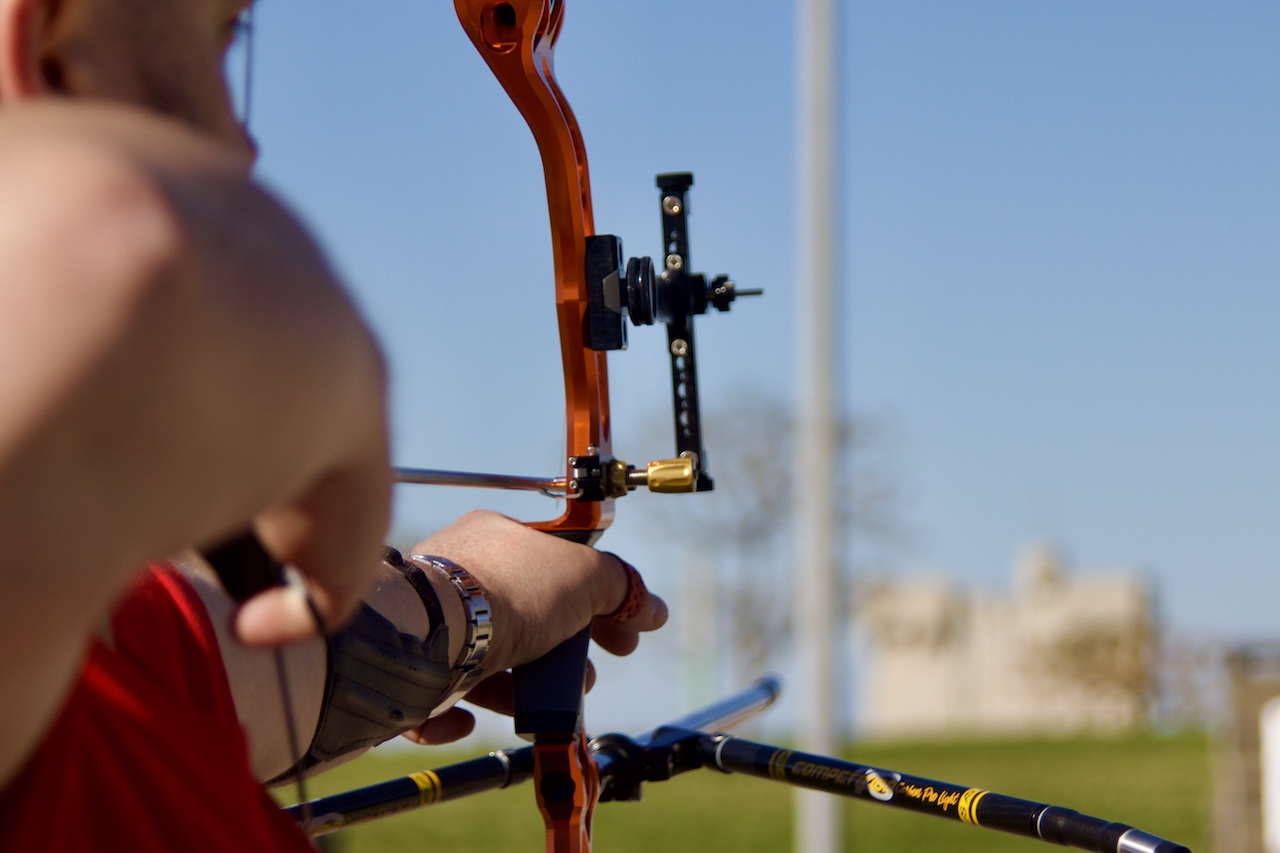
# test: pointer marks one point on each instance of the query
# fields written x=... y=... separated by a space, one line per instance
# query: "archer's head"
x=166 y=56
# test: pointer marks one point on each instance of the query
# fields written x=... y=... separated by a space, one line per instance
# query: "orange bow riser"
x=597 y=294
x=518 y=38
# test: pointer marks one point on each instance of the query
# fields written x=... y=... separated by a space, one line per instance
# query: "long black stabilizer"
x=974 y=806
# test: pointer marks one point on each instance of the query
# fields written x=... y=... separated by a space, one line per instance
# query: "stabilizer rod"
x=496 y=770
x=974 y=806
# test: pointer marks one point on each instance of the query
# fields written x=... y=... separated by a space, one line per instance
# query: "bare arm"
x=541 y=591
x=176 y=360
x=252 y=671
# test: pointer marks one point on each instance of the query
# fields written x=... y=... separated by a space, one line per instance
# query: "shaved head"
x=163 y=55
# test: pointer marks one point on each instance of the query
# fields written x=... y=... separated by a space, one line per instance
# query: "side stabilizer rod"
x=496 y=770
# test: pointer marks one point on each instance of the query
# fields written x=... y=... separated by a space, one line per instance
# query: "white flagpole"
x=816 y=606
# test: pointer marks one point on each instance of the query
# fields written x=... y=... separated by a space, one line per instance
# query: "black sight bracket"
x=674 y=297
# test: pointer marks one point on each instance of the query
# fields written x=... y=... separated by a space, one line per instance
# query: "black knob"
x=641 y=291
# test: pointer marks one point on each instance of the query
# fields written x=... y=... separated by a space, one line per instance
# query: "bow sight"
x=616 y=293
x=674 y=297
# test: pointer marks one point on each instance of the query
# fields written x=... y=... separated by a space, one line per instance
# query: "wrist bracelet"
x=475 y=642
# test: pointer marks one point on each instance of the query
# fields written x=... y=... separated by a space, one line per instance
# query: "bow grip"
x=548 y=691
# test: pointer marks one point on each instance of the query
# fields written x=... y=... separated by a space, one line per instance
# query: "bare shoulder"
x=93 y=195
x=58 y=157
x=89 y=226
x=99 y=133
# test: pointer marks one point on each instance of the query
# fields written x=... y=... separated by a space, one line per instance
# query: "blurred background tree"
x=735 y=543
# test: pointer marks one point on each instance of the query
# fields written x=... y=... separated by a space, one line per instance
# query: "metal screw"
x=679 y=348
x=670 y=205
x=675 y=263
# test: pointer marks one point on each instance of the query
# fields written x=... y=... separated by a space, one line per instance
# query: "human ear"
x=30 y=64
x=18 y=23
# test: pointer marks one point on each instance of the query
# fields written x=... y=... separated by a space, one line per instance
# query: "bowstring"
x=244 y=37
x=292 y=578
x=244 y=32
x=247 y=97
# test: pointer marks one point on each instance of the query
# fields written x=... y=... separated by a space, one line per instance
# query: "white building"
x=1058 y=653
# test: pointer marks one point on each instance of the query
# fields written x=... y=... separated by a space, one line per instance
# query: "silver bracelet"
x=475 y=642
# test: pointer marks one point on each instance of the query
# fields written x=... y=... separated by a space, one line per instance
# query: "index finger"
x=618 y=630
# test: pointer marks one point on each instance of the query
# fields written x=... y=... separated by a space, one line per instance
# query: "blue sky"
x=1061 y=242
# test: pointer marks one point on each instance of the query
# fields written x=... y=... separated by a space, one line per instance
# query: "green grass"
x=1160 y=784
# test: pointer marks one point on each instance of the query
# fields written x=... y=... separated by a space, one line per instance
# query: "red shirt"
x=147 y=754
